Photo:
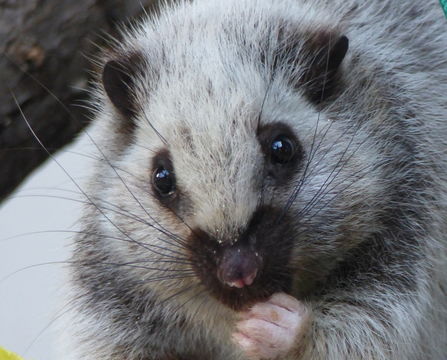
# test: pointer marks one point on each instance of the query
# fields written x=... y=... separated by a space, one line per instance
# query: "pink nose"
x=238 y=267
x=246 y=281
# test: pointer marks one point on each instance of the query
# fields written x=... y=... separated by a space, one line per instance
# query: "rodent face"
x=234 y=181
x=292 y=222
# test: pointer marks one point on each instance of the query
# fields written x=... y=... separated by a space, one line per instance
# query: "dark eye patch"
x=163 y=176
x=282 y=150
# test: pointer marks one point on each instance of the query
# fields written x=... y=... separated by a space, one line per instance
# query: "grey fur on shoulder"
x=260 y=153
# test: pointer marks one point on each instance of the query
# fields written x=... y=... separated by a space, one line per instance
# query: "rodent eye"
x=282 y=150
x=164 y=181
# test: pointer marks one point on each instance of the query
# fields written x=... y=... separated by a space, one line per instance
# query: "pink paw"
x=272 y=328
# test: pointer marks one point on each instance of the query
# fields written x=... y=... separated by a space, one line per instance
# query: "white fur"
x=196 y=87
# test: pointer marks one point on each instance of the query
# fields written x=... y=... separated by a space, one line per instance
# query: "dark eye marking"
x=163 y=177
x=282 y=150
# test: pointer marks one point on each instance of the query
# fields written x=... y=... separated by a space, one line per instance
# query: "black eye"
x=282 y=150
x=164 y=181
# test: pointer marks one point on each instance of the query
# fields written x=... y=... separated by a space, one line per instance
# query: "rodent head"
x=236 y=168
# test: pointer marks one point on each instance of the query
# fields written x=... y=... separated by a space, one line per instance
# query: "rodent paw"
x=272 y=328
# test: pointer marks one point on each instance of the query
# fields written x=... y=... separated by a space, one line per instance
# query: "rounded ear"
x=337 y=53
x=332 y=56
x=118 y=78
x=322 y=76
x=314 y=59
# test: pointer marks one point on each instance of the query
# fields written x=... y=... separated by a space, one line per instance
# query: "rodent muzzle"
x=238 y=267
x=251 y=267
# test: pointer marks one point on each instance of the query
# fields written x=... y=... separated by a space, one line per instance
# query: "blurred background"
x=35 y=224
x=46 y=52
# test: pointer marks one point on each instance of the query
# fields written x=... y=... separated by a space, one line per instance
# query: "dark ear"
x=118 y=78
x=326 y=56
x=333 y=54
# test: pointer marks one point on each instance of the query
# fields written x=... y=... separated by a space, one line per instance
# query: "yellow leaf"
x=8 y=355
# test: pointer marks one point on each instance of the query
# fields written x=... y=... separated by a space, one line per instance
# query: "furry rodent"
x=247 y=154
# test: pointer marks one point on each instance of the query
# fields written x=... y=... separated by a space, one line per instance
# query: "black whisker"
x=123 y=213
x=335 y=171
x=133 y=264
x=76 y=184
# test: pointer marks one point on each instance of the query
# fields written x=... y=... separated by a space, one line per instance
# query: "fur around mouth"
x=250 y=270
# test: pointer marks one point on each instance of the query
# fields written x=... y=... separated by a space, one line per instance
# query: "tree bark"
x=44 y=46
